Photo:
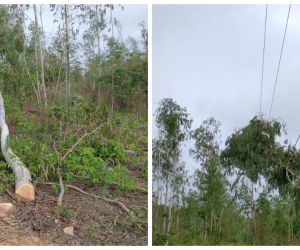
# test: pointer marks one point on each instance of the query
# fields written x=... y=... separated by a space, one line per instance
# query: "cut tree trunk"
x=24 y=188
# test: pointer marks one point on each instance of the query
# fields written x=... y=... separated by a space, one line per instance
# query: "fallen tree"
x=24 y=189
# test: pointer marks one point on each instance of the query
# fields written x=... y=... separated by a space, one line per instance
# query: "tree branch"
x=80 y=139
x=120 y=204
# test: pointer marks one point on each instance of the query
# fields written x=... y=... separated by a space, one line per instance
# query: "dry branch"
x=80 y=139
x=62 y=192
x=120 y=204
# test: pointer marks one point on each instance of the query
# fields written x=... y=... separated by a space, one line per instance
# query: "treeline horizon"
x=246 y=193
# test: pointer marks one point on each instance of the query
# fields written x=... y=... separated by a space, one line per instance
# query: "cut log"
x=24 y=188
x=25 y=192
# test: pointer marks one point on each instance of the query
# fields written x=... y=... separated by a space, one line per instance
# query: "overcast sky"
x=208 y=59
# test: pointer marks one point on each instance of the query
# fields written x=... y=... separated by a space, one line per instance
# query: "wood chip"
x=5 y=208
x=69 y=230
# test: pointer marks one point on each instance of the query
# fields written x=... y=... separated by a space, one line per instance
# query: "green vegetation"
x=75 y=106
x=41 y=141
x=246 y=193
x=75 y=96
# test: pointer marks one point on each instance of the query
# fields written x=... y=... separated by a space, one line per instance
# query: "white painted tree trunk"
x=24 y=189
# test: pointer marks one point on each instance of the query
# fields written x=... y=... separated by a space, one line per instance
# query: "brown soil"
x=95 y=221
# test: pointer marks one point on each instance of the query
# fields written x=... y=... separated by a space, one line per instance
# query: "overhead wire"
x=263 y=59
x=279 y=62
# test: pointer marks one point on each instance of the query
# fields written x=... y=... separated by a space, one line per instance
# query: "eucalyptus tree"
x=244 y=152
x=144 y=36
x=209 y=180
x=39 y=50
x=156 y=178
x=179 y=183
x=94 y=16
x=112 y=22
x=66 y=39
x=173 y=123
x=67 y=53
x=11 y=48
x=255 y=152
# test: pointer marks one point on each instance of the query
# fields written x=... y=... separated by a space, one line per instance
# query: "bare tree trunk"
x=220 y=223
x=289 y=233
x=161 y=202
x=28 y=73
x=112 y=72
x=205 y=225
x=166 y=202
x=292 y=232
x=24 y=189
x=194 y=224
x=211 y=223
x=99 y=55
x=254 y=229
x=170 y=216
x=68 y=85
x=157 y=205
x=59 y=72
x=21 y=16
x=177 y=221
x=36 y=54
x=42 y=63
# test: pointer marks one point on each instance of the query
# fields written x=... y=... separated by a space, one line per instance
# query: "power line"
x=263 y=59
x=297 y=140
x=286 y=24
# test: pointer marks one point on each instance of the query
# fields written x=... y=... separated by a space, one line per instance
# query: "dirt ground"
x=95 y=221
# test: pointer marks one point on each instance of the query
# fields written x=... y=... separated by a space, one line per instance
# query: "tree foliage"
x=244 y=193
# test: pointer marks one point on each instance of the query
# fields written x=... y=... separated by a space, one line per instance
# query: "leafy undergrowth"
x=89 y=149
